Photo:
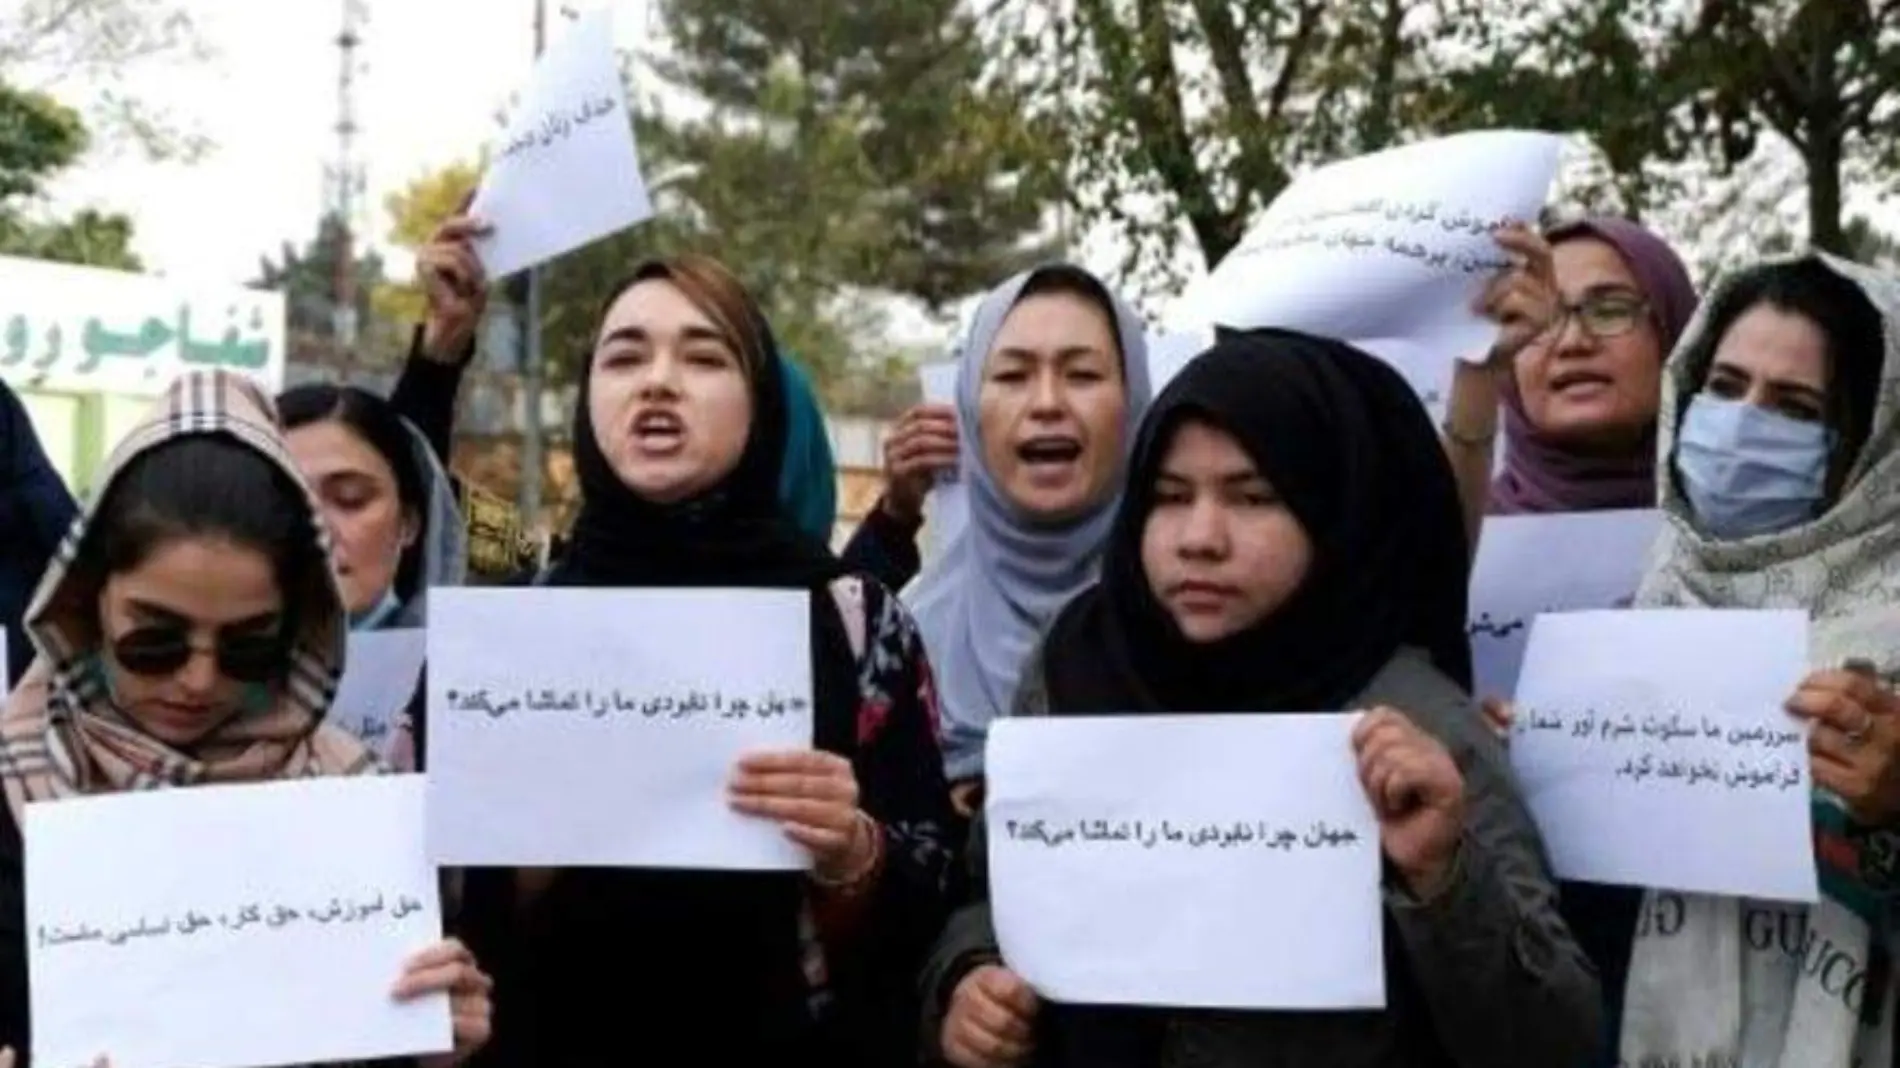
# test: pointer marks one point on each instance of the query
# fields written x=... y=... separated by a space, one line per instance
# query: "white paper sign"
x=1224 y=861
x=217 y=926
x=567 y=171
x=601 y=727
x=379 y=680
x=1654 y=750
x=1386 y=251
x=1531 y=564
x=947 y=506
x=1169 y=351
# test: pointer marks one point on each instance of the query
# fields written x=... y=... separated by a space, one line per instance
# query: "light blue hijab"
x=983 y=604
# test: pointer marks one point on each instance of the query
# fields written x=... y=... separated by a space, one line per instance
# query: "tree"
x=1184 y=118
x=308 y=279
x=86 y=48
x=1823 y=74
x=1612 y=69
x=942 y=178
x=39 y=137
x=414 y=213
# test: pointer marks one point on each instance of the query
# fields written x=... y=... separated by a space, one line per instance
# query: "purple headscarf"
x=1541 y=475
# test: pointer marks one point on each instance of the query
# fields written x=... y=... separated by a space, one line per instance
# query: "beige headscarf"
x=1760 y=983
x=61 y=735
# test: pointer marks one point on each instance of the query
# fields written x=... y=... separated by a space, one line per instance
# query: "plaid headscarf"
x=61 y=735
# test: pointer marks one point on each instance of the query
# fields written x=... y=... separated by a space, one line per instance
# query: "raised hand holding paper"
x=221 y=926
x=1191 y=861
x=567 y=171
x=1385 y=251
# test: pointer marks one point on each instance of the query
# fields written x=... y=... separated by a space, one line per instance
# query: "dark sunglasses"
x=159 y=651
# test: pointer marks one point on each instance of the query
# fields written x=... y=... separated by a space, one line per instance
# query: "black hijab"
x=1345 y=442
x=736 y=534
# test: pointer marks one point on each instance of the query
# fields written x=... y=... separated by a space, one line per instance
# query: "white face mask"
x=1747 y=471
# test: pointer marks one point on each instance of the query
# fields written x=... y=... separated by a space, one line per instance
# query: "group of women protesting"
x=1281 y=529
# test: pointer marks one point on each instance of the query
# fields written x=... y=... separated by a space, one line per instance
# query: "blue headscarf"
x=808 y=480
x=983 y=604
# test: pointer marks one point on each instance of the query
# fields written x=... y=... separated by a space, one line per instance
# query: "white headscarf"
x=1730 y=984
x=982 y=605
x=444 y=536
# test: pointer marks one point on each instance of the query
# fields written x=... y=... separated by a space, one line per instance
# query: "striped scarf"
x=61 y=735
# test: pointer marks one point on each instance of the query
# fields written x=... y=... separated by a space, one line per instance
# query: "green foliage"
x=83 y=50
x=307 y=278
x=39 y=137
x=1184 y=118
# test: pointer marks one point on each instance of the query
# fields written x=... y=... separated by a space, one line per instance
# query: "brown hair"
x=719 y=295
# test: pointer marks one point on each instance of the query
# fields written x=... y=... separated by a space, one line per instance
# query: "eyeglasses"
x=1602 y=317
x=156 y=652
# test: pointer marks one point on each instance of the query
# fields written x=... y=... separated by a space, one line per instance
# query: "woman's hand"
x=1499 y=715
x=921 y=446
x=1523 y=300
x=991 y=1020
x=1855 y=741
x=1417 y=794
x=814 y=796
x=454 y=286
x=449 y=966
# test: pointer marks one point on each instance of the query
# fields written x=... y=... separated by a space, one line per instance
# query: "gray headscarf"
x=983 y=604
x=443 y=537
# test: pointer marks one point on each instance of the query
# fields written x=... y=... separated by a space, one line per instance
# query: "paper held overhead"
x=566 y=172
x=1386 y=251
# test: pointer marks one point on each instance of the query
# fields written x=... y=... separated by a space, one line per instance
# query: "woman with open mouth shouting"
x=1052 y=382
x=680 y=434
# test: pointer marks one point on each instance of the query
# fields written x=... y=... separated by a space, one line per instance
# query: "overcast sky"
x=434 y=74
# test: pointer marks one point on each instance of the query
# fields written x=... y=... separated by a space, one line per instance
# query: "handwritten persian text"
x=1151 y=834
x=692 y=705
x=334 y=912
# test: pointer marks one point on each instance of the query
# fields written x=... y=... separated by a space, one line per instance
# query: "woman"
x=200 y=539
x=1053 y=381
x=1588 y=320
x=35 y=510
x=1290 y=542
x=395 y=530
x=1784 y=453
x=390 y=507
x=679 y=438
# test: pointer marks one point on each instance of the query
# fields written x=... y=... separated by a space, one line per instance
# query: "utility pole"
x=344 y=187
x=532 y=449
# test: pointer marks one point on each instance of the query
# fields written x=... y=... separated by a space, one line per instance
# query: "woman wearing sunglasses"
x=189 y=631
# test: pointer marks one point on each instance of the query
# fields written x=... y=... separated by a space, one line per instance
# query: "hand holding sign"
x=1855 y=741
x=1524 y=300
x=991 y=1020
x=448 y=967
x=455 y=287
x=814 y=796
x=1417 y=794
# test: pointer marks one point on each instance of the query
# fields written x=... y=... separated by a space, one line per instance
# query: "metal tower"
x=343 y=179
